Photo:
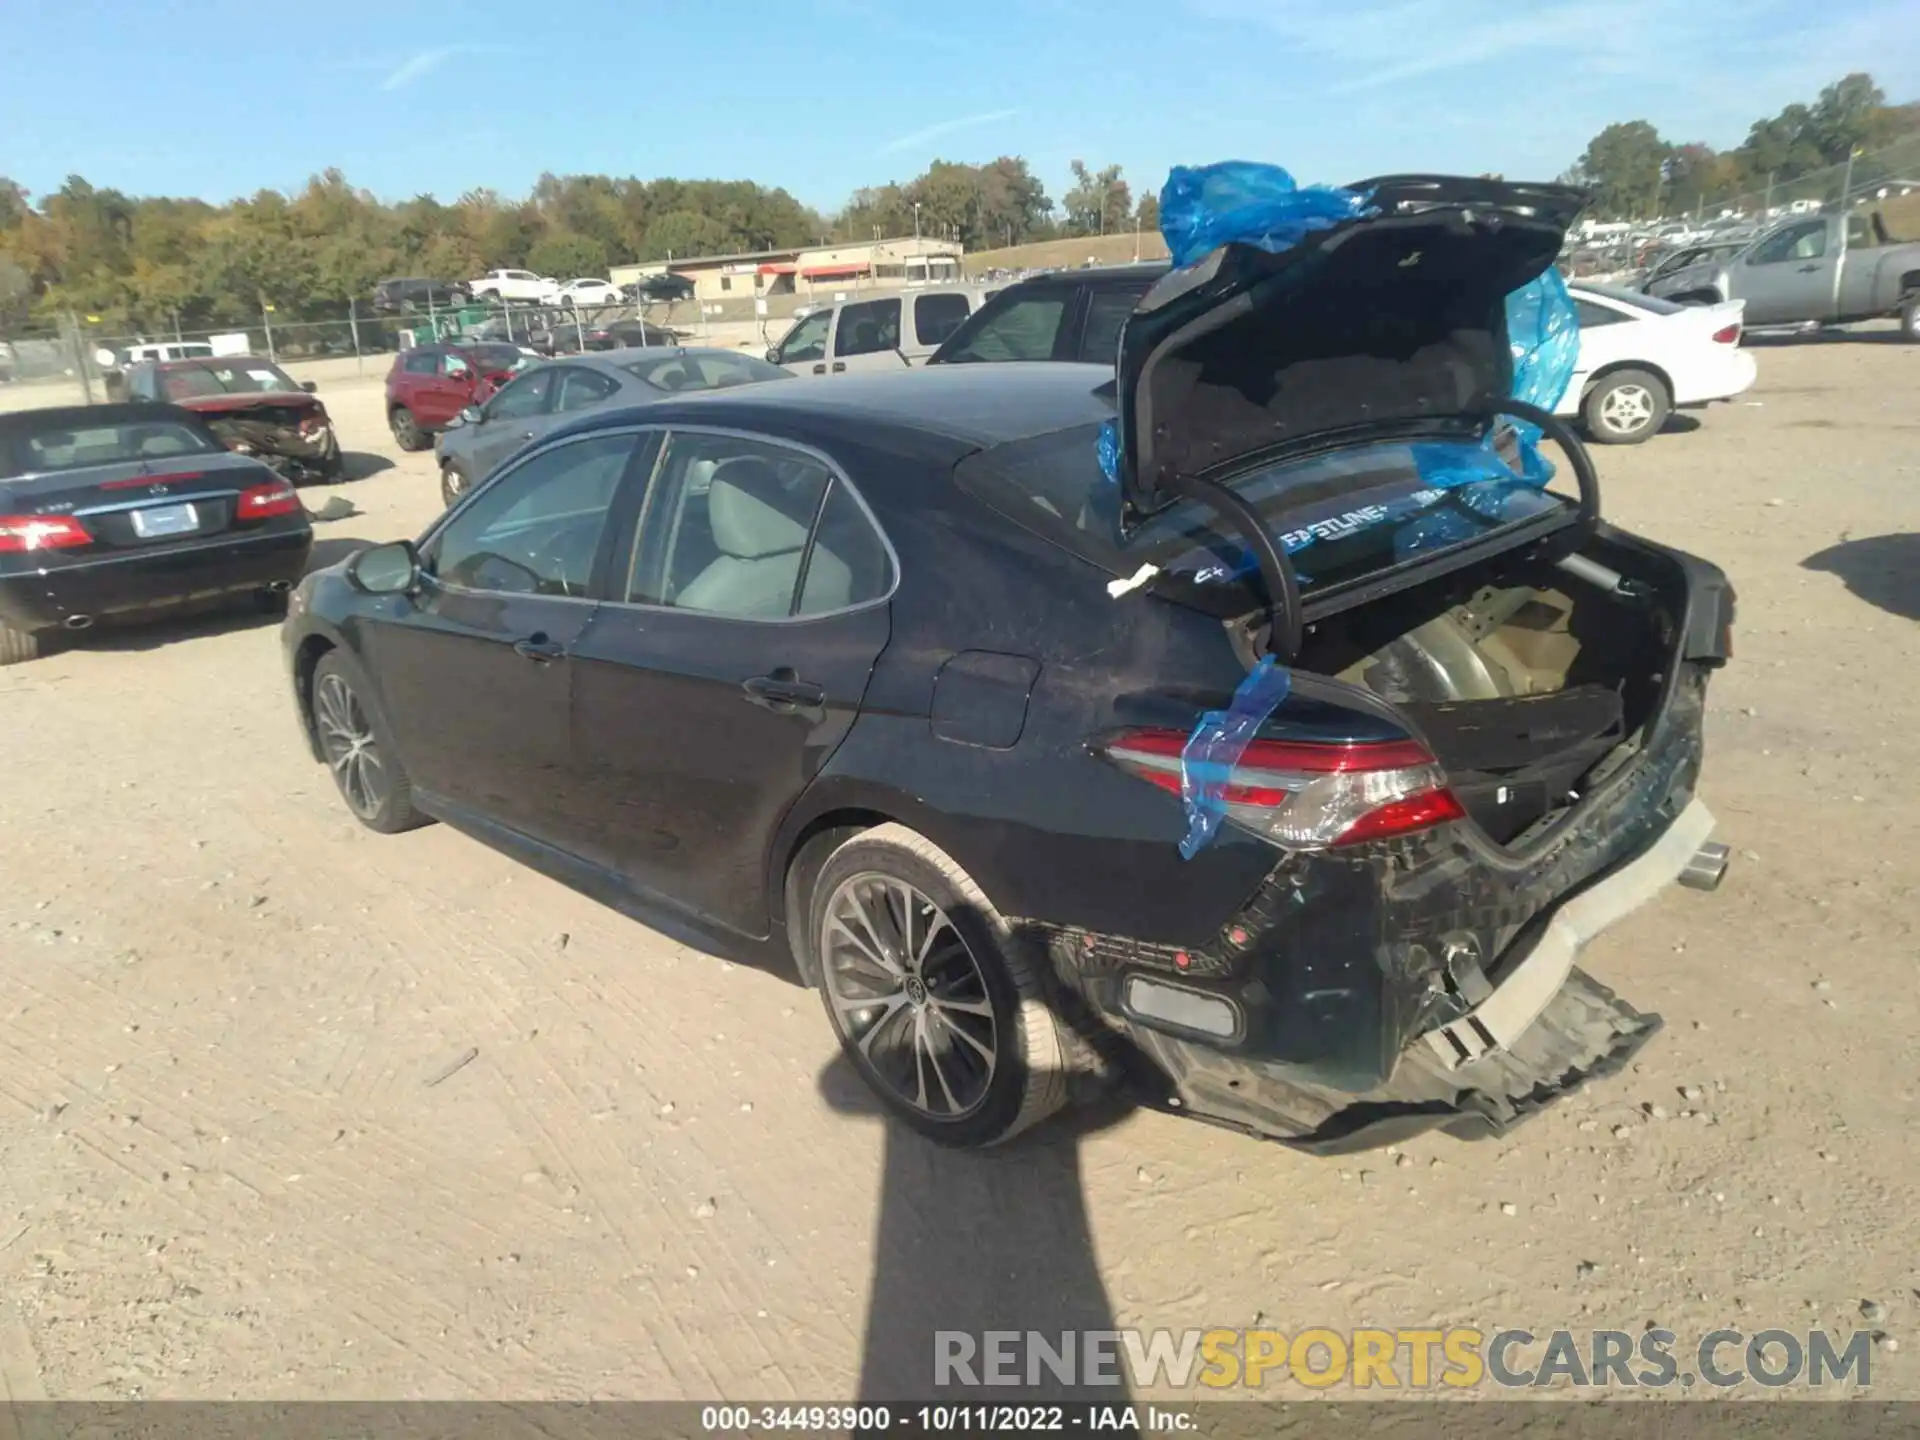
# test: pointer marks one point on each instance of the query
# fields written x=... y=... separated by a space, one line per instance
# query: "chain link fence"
x=1887 y=176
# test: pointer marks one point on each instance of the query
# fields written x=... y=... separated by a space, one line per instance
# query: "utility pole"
x=1846 y=185
x=1766 y=206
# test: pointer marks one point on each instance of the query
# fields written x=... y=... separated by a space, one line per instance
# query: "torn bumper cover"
x=1429 y=984
x=295 y=443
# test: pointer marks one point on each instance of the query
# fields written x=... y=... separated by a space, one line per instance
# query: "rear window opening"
x=1526 y=682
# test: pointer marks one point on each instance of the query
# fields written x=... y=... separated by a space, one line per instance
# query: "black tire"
x=1910 y=320
x=380 y=797
x=453 y=482
x=1026 y=1078
x=407 y=433
x=1626 y=407
x=18 y=646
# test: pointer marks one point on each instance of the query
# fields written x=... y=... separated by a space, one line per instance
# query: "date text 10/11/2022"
x=947 y=1419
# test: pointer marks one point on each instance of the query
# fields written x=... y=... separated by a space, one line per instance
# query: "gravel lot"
x=225 y=1169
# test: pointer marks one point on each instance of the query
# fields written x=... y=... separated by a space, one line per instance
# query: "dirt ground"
x=233 y=1163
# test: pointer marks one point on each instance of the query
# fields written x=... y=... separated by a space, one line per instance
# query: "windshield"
x=1341 y=515
x=240 y=377
x=703 y=372
x=78 y=448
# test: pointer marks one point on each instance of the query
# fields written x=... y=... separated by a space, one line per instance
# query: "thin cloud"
x=945 y=127
x=425 y=62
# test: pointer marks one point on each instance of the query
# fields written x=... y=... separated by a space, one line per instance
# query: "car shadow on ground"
x=1883 y=570
x=360 y=464
x=967 y=1242
x=1680 y=424
x=1882 y=335
x=186 y=626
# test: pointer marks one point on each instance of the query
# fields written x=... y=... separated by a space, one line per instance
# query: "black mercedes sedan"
x=122 y=512
x=1264 y=768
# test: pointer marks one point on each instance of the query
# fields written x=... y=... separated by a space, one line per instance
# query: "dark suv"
x=1068 y=315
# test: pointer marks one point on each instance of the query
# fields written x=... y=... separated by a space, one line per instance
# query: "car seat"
x=760 y=528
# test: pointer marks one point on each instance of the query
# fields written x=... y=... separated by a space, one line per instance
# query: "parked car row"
x=521 y=287
x=886 y=679
x=1640 y=357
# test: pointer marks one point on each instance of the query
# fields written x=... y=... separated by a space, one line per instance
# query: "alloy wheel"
x=352 y=753
x=1627 y=409
x=909 y=994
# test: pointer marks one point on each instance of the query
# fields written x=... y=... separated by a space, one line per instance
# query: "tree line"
x=151 y=263
x=1636 y=173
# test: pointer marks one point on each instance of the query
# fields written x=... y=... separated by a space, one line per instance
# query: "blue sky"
x=217 y=98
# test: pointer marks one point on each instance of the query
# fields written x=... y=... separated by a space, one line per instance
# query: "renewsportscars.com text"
x=1415 y=1359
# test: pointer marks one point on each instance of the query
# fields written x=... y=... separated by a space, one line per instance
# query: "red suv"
x=430 y=384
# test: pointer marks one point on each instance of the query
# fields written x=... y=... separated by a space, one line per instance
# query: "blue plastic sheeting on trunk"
x=1488 y=488
x=1543 y=329
x=1203 y=207
x=1216 y=745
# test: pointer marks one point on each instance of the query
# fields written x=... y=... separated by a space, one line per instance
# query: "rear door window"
x=580 y=388
x=752 y=529
x=871 y=327
x=938 y=315
x=1108 y=308
x=1025 y=328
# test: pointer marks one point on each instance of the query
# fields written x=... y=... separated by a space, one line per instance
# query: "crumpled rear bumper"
x=1538 y=1032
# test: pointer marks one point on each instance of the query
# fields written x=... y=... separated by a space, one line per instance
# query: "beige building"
x=819 y=271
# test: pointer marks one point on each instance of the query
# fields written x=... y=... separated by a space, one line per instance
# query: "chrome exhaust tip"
x=79 y=622
x=1707 y=868
x=280 y=587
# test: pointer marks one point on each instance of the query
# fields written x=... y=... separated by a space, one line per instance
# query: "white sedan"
x=1642 y=357
x=588 y=292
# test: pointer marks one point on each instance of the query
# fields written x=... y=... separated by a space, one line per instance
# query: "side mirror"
x=773 y=354
x=390 y=569
x=470 y=415
x=308 y=386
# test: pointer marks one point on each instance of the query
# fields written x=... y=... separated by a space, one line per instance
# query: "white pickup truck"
x=1812 y=269
x=517 y=285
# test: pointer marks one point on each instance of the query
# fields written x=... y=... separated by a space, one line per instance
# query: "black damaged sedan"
x=114 y=513
x=889 y=678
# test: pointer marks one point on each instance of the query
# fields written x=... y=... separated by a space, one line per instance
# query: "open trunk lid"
x=1393 y=320
x=1391 y=327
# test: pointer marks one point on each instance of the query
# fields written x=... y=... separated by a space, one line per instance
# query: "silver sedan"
x=548 y=395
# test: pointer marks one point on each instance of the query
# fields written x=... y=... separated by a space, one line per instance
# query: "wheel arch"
x=834 y=812
x=1614 y=367
x=306 y=659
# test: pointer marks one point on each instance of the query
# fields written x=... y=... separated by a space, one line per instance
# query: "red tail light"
x=263 y=502
x=20 y=533
x=1304 y=795
x=1727 y=335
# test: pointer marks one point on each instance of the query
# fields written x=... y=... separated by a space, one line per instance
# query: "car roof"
x=1099 y=275
x=200 y=362
x=946 y=411
x=75 y=417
